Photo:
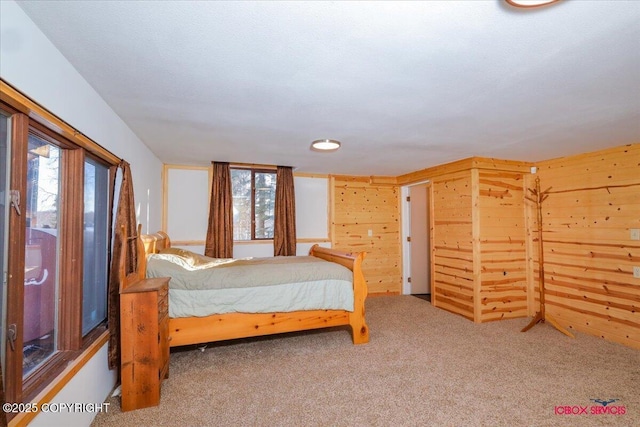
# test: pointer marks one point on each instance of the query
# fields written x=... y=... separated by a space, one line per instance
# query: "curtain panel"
x=219 y=242
x=125 y=217
x=284 y=233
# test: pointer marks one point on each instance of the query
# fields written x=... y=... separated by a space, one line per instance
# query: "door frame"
x=405 y=212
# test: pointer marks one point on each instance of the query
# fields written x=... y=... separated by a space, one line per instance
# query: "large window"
x=254 y=195
x=54 y=222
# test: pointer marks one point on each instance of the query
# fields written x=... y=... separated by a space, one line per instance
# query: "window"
x=54 y=251
x=95 y=245
x=254 y=195
x=41 y=210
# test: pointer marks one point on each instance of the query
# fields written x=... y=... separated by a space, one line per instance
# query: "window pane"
x=241 y=190
x=96 y=209
x=265 y=204
x=41 y=253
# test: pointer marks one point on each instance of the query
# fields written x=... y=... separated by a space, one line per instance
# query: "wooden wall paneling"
x=531 y=227
x=621 y=155
x=357 y=207
x=452 y=240
x=435 y=172
x=503 y=252
x=484 y=239
x=589 y=256
x=613 y=314
x=601 y=327
x=432 y=260
x=383 y=180
x=477 y=261
x=462 y=166
x=332 y=212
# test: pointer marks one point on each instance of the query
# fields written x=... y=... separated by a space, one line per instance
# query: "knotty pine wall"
x=485 y=240
x=502 y=245
x=479 y=243
x=589 y=256
x=357 y=207
x=452 y=244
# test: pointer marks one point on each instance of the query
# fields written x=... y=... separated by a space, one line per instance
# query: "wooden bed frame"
x=196 y=330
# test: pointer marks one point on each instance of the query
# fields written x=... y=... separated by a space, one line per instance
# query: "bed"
x=197 y=329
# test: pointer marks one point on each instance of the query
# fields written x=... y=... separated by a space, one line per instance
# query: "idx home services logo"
x=603 y=407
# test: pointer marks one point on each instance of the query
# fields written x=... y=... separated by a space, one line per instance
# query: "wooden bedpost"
x=142 y=256
x=357 y=319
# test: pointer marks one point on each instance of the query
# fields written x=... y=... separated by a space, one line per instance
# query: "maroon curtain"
x=284 y=233
x=125 y=217
x=219 y=243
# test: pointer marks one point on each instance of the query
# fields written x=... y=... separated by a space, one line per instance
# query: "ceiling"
x=403 y=86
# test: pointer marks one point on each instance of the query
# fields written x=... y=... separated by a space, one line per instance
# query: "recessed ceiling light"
x=530 y=3
x=325 y=145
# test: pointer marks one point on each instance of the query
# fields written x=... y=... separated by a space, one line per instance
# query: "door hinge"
x=408 y=198
x=409 y=279
x=408 y=238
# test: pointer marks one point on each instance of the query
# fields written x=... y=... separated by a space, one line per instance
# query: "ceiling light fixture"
x=530 y=3
x=325 y=145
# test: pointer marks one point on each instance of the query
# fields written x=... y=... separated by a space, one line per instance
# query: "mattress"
x=256 y=285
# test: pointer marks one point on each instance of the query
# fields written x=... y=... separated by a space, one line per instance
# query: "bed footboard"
x=357 y=319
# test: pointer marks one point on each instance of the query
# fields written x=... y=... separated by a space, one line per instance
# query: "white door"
x=419 y=233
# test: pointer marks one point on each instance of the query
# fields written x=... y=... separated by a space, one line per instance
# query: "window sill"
x=253 y=242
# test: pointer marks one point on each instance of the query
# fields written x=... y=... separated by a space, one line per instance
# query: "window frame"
x=26 y=117
x=254 y=171
x=67 y=295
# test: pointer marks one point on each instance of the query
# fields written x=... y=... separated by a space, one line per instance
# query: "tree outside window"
x=254 y=193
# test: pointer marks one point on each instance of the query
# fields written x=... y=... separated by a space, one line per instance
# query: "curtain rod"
x=256 y=165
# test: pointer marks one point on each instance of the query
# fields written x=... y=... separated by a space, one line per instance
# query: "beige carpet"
x=423 y=367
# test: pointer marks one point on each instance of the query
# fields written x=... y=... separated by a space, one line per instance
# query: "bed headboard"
x=145 y=244
x=154 y=243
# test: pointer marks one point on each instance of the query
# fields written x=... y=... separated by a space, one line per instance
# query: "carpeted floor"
x=426 y=297
x=422 y=367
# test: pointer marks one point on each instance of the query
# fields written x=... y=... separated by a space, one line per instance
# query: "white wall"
x=34 y=66
x=93 y=381
x=188 y=204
